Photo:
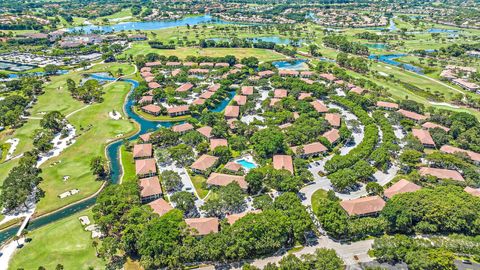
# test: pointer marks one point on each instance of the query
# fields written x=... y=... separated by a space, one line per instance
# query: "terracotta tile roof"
x=288 y=72
x=205 y=131
x=247 y=90
x=334 y=119
x=274 y=101
x=145 y=69
x=160 y=206
x=424 y=136
x=152 y=108
x=363 y=206
x=146 y=99
x=304 y=95
x=198 y=71
x=146 y=74
x=204 y=162
x=214 y=143
x=202 y=226
x=385 y=104
x=265 y=73
x=401 y=186
x=146 y=137
x=430 y=125
x=311 y=148
x=173 y=64
x=207 y=64
x=306 y=73
x=176 y=72
x=296 y=115
x=339 y=82
x=177 y=109
x=150 y=186
x=153 y=64
x=474 y=191
x=239 y=65
x=284 y=162
x=232 y=166
x=412 y=115
x=221 y=179
x=182 y=127
x=232 y=111
x=451 y=150
x=184 y=87
x=189 y=64
x=149 y=79
x=332 y=135
x=153 y=85
x=198 y=101
x=222 y=65
x=241 y=100
x=142 y=150
x=319 y=106
x=214 y=88
x=145 y=166
x=357 y=90
x=207 y=95
x=328 y=76
x=234 y=217
x=441 y=173
x=280 y=93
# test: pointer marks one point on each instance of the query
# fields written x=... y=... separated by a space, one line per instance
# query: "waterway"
x=147 y=26
x=390 y=59
x=113 y=156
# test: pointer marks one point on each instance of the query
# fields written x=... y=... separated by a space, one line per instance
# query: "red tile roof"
x=142 y=150
x=214 y=88
x=441 y=173
x=146 y=137
x=265 y=73
x=304 y=95
x=153 y=64
x=202 y=226
x=232 y=166
x=423 y=136
x=207 y=95
x=153 y=85
x=412 y=115
x=221 y=179
x=332 y=135
x=152 y=108
x=241 y=100
x=232 y=111
x=145 y=166
x=160 y=206
x=311 y=148
x=363 y=206
x=150 y=186
x=234 y=217
x=385 y=104
x=474 y=191
x=401 y=186
x=334 y=119
x=214 y=143
x=288 y=72
x=205 y=131
x=178 y=109
x=284 y=162
x=247 y=90
x=184 y=87
x=328 y=76
x=319 y=106
x=451 y=150
x=204 y=162
x=182 y=127
x=280 y=93
x=430 y=125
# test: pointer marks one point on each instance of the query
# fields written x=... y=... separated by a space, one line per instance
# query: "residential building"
x=401 y=186
x=221 y=179
x=283 y=162
x=204 y=163
x=365 y=206
x=202 y=226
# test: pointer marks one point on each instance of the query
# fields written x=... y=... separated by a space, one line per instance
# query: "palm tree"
x=95 y=245
x=16 y=238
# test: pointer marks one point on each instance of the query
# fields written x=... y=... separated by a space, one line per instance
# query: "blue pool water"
x=380 y=46
x=246 y=164
x=297 y=64
x=440 y=30
x=126 y=26
x=390 y=59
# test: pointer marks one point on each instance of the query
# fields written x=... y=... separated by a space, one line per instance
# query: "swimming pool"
x=246 y=164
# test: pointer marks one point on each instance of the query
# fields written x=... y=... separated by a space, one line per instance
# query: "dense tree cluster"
x=90 y=91
x=342 y=44
x=357 y=64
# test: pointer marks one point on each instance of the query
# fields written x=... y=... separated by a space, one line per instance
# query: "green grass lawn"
x=63 y=242
x=98 y=130
x=183 y=52
x=317 y=195
x=128 y=165
x=198 y=181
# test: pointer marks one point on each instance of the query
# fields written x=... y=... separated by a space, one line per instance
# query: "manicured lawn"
x=321 y=193
x=95 y=129
x=161 y=118
x=63 y=242
x=183 y=52
x=198 y=180
x=128 y=165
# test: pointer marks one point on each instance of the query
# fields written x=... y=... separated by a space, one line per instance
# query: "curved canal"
x=112 y=151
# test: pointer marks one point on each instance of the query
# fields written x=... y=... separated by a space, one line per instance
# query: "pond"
x=378 y=46
x=154 y=25
x=300 y=64
x=112 y=151
x=390 y=59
